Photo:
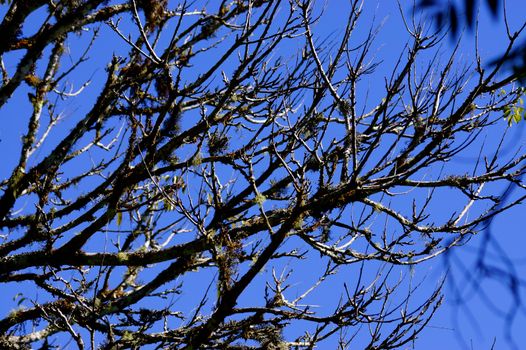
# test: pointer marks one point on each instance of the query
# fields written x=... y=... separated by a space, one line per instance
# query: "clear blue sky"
x=486 y=310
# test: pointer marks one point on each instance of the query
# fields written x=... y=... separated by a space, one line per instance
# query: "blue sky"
x=472 y=323
x=486 y=312
x=474 y=315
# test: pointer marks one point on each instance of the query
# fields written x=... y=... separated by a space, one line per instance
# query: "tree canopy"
x=453 y=16
x=228 y=151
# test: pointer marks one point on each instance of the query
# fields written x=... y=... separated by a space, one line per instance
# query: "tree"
x=228 y=145
x=493 y=261
x=452 y=15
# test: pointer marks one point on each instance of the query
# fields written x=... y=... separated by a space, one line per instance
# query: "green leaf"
x=514 y=114
x=20 y=297
x=119 y=218
x=517 y=116
x=168 y=204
